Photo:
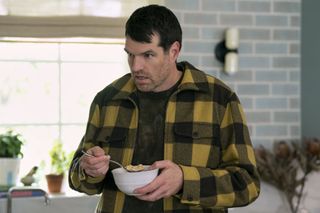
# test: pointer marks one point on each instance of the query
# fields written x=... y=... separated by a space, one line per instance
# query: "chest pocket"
x=196 y=133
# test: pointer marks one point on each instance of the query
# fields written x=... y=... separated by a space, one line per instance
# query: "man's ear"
x=174 y=50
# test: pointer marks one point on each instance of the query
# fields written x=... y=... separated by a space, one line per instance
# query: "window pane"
x=93 y=52
x=39 y=140
x=46 y=90
x=28 y=51
x=80 y=83
x=29 y=92
x=71 y=136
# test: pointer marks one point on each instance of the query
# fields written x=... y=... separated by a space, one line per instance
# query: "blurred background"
x=55 y=55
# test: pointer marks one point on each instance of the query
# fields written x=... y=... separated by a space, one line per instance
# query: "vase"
x=285 y=206
x=54 y=183
x=9 y=171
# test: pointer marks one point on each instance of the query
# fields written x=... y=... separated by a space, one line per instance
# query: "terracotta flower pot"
x=54 y=182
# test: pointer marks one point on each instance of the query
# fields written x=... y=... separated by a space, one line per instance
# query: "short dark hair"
x=154 y=19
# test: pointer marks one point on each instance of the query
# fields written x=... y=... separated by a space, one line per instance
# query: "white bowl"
x=127 y=182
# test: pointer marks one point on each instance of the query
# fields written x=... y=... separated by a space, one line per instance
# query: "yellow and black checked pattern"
x=205 y=133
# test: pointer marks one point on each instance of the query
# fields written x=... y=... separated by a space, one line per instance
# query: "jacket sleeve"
x=78 y=179
x=235 y=182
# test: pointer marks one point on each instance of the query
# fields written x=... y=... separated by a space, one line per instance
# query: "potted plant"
x=288 y=166
x=10 y=155
x=59 y=162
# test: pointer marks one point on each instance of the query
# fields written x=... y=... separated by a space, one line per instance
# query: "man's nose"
x=137 y=64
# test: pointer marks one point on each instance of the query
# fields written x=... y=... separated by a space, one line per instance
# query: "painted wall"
x=310 y=74
x=268 y=81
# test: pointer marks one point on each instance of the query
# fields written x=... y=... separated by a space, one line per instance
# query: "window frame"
x=62 y=27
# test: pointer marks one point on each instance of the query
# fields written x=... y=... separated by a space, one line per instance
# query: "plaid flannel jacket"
x=205 y=133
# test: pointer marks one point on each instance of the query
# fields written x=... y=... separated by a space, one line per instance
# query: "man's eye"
x=148 y=55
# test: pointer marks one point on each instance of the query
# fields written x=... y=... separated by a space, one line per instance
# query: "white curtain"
x=66 y=18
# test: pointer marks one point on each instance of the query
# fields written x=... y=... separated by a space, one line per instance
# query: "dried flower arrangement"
x=288 y=165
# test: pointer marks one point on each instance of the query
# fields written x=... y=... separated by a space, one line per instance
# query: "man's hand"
x=97 y=165
x=168 y=183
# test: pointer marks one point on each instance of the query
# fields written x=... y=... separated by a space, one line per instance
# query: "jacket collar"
x=193 y=79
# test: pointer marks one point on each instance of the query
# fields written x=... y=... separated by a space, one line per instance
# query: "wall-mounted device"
x=226 y=51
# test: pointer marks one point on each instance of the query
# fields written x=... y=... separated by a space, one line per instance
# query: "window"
x=46 y=87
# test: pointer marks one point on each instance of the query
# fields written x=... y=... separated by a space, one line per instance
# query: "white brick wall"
x=268 y=81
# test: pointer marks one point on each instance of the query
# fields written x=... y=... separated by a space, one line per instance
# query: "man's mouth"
x=141 y=78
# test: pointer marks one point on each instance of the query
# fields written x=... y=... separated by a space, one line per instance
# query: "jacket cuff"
x=191 y=186
x=83 y=176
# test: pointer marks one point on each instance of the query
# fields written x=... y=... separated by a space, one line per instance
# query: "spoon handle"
x=115 y=162
x=112 y=161
x=87 y=154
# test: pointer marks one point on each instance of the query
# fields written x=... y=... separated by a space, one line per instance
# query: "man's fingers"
x=95 y=165
x=96 y=151
x=168 y=183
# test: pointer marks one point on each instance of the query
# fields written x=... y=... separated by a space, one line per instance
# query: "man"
x=186 y=123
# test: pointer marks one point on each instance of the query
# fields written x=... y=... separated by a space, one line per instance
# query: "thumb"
x=162 y=164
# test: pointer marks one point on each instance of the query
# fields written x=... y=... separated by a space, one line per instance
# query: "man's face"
x=152 y=69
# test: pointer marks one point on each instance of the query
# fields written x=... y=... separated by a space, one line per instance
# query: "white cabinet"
x=57 y=204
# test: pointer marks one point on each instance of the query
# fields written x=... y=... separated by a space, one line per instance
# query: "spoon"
x=112 y=161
